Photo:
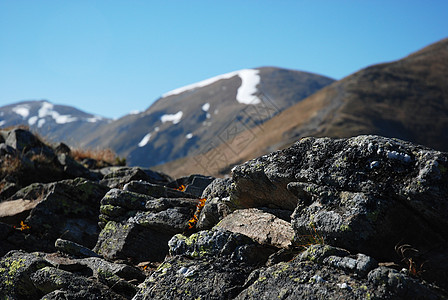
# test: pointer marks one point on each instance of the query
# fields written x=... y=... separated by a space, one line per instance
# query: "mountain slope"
x=55 y=122
x=406 y=99
x=184 y=121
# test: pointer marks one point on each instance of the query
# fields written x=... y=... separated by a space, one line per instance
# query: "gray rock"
x=74 y=169
x=61 y=284
x=16 y=268
x=22 y=140
x=351 y=203
x=155 y=190
x=116 y=276
x=198 y=185
x=193 y=184
x=262 y=227
x=6 y=149
x=69 y=210
x=205 y=278
x=117 y=177
x=361 y=264
x=134 y=221
x=213 y=211
x=62 y=148
x=218 y=188
x=217 y=204
x=72 y=248
x=305 y=279
x=402 y=286
x=219 y=242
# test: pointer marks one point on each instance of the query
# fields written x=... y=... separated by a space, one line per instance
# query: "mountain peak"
x=250 y=78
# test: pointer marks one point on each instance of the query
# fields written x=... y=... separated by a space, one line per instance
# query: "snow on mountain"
x=22 y=110
x=47 y=110
x=145 y=140
x=205 y=107
x=175 y=118
x=55 y=122
x=250 y=78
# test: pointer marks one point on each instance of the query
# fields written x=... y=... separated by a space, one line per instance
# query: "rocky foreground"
x=358 y=218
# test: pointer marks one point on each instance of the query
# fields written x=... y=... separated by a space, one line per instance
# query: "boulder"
x=210 y=264
x=14 y=211
x=70 y=210
x=74 y=249
x=205 y=278
x=328 y=272
x=219 y=242
x=117 y=177
x=217 y=204
x=367 y=194
x=134 y=221
x=117 y=277
x=7 y=150
x=193 y=184
x=16 y=269
x=22 y=140
x=155 y=190
x=74 y=169
x=59 y=284
x=262 y=227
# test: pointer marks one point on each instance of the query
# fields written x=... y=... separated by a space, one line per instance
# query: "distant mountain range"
x=406 y=99
x=211 y=125
x=184 y=121
x=54 y=122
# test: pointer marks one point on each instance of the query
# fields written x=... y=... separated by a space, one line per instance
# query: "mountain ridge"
x=406 y=99
x=179 y=124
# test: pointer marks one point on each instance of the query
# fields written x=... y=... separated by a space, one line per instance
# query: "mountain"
x=187 y=120
x=406 y=99
x=54 y=122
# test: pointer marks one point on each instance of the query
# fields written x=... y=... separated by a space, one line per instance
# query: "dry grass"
x=101 y=155
x=9 y=164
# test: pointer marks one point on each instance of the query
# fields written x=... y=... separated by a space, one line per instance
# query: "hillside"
x=406 y=99
x=190 y=119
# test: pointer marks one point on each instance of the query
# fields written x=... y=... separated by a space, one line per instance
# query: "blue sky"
x=113 y=57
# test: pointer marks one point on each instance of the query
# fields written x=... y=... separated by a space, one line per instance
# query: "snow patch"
x=156 y=129
x=22 y=110
x=134 y=112
x=62 y=119
x=250 y=78
x=189 y=136
x=94 y=119
x=145 y=140
x=175 y=118
x=47 y=110
x=40 y=123
x=33 y=120
x=206 y=107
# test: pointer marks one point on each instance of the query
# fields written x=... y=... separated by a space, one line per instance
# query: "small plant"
x=313 y=238
x=10 y=164
x=23 y=226
x=409 y=257
x=181 y=188
x=192 y=222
